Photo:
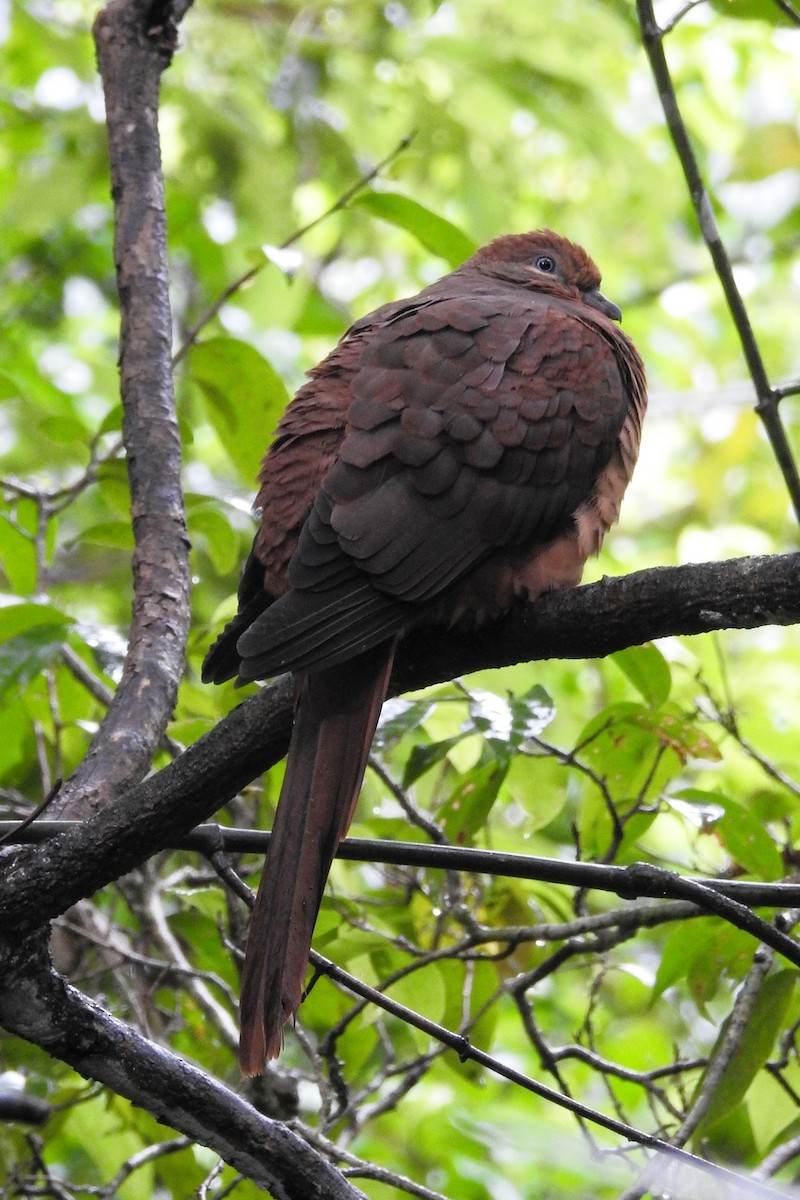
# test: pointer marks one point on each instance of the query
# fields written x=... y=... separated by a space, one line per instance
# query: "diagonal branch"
x=249 y=275
x=37 y=1004
x=467 y=1052
x=767 y=397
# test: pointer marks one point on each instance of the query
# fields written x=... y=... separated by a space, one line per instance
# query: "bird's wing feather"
x=476 y=423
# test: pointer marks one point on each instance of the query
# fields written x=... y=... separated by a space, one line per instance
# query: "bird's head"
x=544 y=261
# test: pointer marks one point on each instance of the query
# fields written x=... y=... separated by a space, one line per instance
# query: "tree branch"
x=626 y=881
x=135 y=40
x=249 y=275
x=467 y=1052
x=587 y=622
x=37 y=1004
x=767 y=397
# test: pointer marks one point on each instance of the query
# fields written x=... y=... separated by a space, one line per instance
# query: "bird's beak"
x=603 y=304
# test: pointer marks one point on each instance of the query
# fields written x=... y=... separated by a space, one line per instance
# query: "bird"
x=455 y=453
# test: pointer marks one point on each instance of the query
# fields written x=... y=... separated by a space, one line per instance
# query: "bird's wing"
x=476 y=423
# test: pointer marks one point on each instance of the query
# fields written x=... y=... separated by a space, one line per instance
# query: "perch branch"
x=588 y=622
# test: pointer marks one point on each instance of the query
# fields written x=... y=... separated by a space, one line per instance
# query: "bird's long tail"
x=336 y=712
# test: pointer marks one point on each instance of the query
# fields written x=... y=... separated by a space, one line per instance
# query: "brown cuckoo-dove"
x=456 y=451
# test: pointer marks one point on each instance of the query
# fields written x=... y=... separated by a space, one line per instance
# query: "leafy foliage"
x=683 y=754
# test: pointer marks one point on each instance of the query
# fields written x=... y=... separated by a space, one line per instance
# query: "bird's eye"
x=545 y=263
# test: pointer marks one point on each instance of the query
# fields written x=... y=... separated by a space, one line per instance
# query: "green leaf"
x=14 y=744
x=469 y=990
x=508 y=722
x=117 y=534
x=10 y=387
x=422 y=991
x=678 y=733
x=524 y=784
x=16 y=619
x=753 y=1047
x=766 y=150
x=112 y=421
x=349 y=943
x=221 y=539
x=24 y=657
x=700 y=951
x=400 y=717
x=751 y=10
x=740 y=829
x=318 y=317
x=17 y=556
x=113 y=480
x=423 y=757
x=531 y=714
x=491 y=715
x=209 y=901
x=647 y=669
x=771 y=1111
x=435 y=233
x=624 y=745
x=245 y=398
x=98 y=1137
x=64 y=430
x=748 y=842
x=466 y=809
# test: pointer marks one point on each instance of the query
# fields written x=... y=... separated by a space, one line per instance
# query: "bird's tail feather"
x=336 y=712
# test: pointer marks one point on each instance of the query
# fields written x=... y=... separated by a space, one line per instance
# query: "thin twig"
x=787 y=389
x=126 y=953
x=250 y=274
x=13 y=833
x=669 y=25
x=726 y=718
x=215 y=1172
x=143 y=1158
x=216 y=1013
x=635 y=881
x=767 y=397
x=729 y=1046
x=467 y=1052
x=778 y=1158
x=788 y=11
x=358 y=1168
x=103 y=694
x=413 y=814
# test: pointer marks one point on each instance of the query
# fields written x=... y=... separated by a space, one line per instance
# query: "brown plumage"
x=455 y=451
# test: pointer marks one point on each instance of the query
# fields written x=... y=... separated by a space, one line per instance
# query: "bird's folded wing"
x=476 y=423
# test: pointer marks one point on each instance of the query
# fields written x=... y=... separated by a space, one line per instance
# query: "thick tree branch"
x=37 y=1004
x=596 y=620
x=134 y=42
x=592 y=621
